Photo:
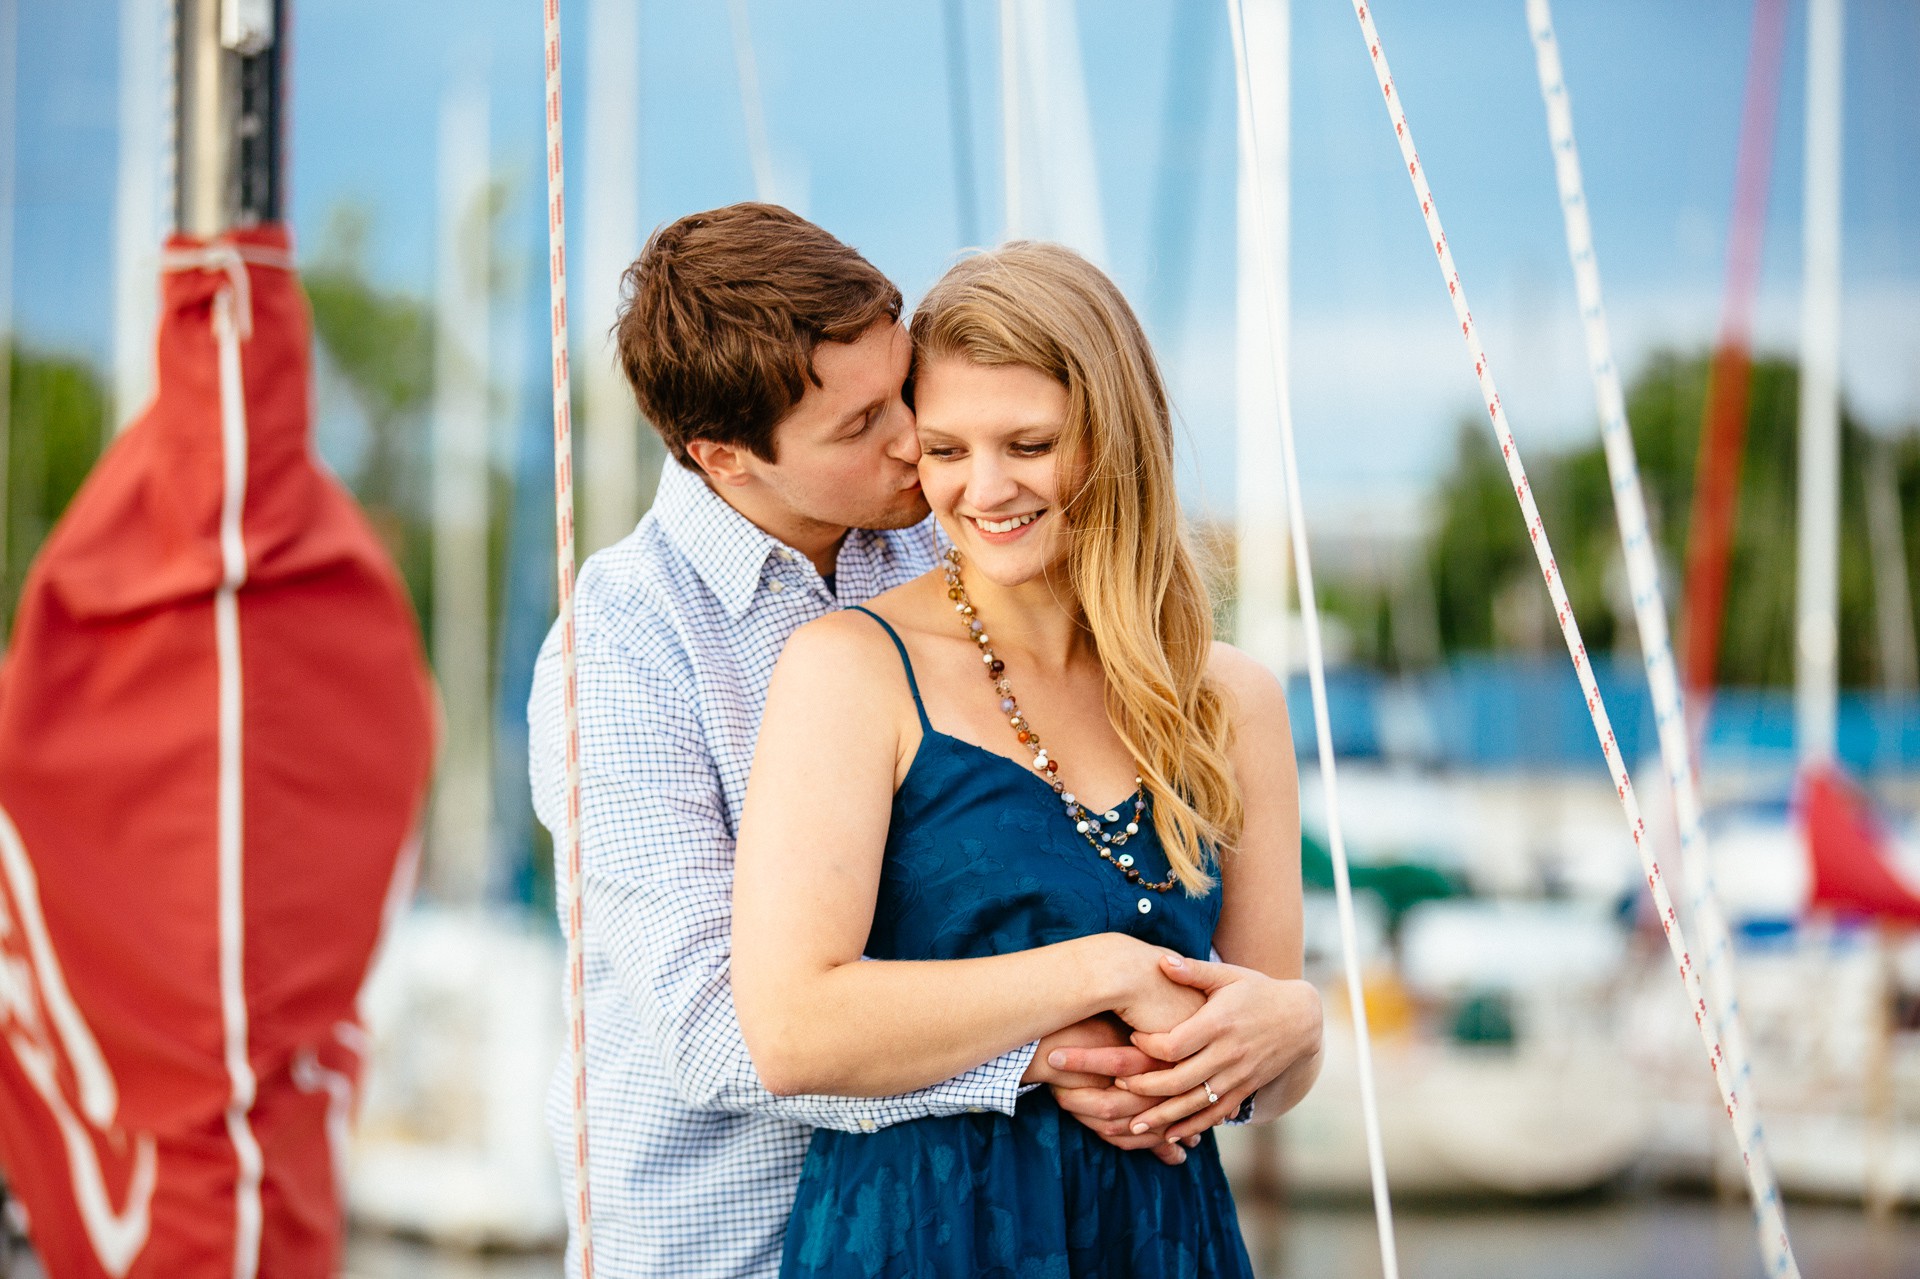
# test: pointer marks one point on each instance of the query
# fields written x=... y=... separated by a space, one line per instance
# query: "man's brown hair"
x=721 y=313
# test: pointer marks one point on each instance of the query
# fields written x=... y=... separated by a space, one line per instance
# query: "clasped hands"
x=1141 y=1076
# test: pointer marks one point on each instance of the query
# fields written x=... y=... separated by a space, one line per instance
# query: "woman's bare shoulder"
x=1253 y=691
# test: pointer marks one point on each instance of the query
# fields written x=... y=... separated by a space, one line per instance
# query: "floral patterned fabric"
x=981 y=860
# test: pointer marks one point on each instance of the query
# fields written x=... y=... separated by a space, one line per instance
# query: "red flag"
x=1849 y=852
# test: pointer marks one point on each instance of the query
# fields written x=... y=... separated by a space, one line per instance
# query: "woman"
x=922 y=792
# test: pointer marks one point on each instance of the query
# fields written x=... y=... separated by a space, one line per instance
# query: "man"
x=771 y=359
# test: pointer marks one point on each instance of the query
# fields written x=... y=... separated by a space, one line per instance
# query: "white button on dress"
x=1146 y=905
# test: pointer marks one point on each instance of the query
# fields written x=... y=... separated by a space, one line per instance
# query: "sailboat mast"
x=1011 y=121
x=1260 y=509
x=1816 y=629
x=611 y=473
x=9 y=142
x=1052 y=178
x=143 y=199
x=459 y=852
x=227 y=122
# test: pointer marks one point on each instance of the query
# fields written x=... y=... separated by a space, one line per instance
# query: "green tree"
x=380 y=342
x=57 y=417
x=1479 y=551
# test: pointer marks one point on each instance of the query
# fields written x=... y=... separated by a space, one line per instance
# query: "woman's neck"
x=1037 y=621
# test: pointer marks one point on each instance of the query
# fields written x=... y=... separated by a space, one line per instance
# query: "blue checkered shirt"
x=694 y=1164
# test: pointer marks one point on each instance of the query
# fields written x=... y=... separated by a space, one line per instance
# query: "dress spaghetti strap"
x=913 y=685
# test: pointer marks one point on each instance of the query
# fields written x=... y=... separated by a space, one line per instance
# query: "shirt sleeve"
x=657 y=855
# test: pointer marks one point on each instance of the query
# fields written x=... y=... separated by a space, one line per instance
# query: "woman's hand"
x=1251 y=1030
x=1153 y=996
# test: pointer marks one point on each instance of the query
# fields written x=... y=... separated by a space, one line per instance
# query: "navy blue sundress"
x=981 y=861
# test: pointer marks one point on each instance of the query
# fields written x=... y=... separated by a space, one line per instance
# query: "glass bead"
x=1105 y=838
x=1069 y=797
x=996 y=666
x=987 y=657
x=1133 y=828
x=1082 y=827
x=1006 y=704
x=1025 y=737
x=1053 y=766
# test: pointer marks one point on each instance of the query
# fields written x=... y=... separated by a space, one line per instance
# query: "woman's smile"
x=1007 y=528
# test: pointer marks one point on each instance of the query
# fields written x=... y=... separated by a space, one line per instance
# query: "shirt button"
x=776 y=586
x=866 y=1125
x=1146 y=905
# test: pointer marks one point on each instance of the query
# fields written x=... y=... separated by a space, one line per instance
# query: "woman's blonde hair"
x=1046 y=308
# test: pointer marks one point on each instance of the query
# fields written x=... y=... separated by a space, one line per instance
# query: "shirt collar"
x=725 y=548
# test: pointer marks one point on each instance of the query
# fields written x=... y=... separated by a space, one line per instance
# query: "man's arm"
x=657 y=853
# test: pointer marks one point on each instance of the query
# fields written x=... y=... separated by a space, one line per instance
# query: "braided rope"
x=563 y=529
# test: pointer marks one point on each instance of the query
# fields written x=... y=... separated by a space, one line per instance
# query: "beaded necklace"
x=1101 y=831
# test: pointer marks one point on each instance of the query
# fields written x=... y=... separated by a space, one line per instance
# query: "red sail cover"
x=1850 y=869
x=215 y=742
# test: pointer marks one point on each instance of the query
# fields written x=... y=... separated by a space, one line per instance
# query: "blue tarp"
x=1527 y=713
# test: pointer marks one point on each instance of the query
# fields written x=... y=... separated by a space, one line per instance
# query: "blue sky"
x=856 y=95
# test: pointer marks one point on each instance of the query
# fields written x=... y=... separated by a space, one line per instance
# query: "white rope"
x=1569 y=627
x=1643 y=576
x=1316 y=672
x=581 y=1208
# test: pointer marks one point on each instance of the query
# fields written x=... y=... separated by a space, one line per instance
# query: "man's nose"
x=905 y=445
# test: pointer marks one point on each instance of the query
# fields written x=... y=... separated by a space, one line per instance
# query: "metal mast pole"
x=1260 y=509
x=228 y=114
x=1816 y=630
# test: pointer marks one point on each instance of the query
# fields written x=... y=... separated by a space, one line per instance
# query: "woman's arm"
x=817 y=1019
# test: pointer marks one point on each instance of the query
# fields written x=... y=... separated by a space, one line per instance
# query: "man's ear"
x=722 y=463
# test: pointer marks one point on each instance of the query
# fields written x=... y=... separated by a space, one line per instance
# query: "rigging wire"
x=1643 y=576
x=1316 y=672
x=1556 y=588
x=759 y=151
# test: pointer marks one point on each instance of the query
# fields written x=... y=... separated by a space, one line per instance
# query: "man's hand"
x=1090 y=1095
x=1252 y=1029
x=1105 y=1033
